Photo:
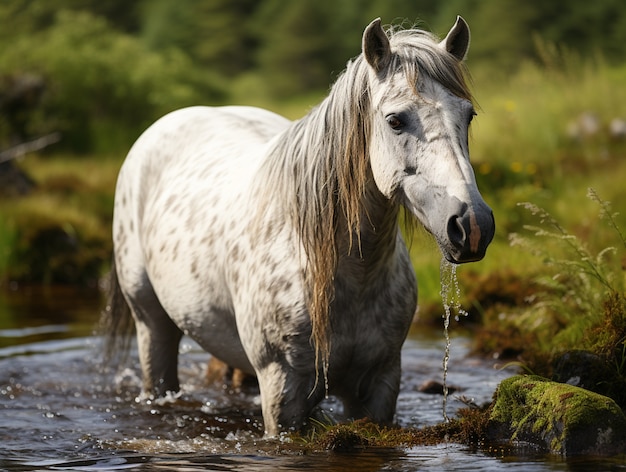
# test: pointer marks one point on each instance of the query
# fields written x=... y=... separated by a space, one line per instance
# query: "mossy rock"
x=555 y=417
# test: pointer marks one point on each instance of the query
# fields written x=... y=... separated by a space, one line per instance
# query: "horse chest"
x=372 y=323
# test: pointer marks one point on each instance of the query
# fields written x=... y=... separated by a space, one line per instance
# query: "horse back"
x=178 y=193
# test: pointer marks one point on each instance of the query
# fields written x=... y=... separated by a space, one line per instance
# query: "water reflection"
x=39 y=313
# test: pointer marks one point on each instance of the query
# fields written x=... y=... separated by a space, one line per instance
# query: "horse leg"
x=218 y=372
x=377 y=396
x=286 y=398
x=157 y=341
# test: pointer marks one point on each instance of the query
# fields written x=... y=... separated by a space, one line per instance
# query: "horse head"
x=418 y=145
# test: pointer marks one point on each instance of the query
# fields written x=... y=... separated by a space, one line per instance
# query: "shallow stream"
x=58 y=411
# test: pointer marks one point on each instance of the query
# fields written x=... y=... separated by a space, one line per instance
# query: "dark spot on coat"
x=234 y=253
x=194 y=270
x=121 y=235
x=269 y=231
x=170 y=202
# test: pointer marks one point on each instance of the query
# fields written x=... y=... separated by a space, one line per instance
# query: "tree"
x=297 y=53
x=216 y=34
x=584 y=26
x=103 y=87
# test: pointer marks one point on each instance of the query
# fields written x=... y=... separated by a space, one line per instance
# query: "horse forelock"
x=417 y=53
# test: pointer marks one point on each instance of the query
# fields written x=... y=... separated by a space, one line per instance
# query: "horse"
x=276 y=246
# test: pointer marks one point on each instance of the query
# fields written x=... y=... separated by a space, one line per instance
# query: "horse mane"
x=319 y=167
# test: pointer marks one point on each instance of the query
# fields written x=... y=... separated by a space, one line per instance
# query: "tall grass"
x=580 y=301
x=577 y=281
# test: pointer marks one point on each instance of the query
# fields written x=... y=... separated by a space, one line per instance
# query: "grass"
x=469 y=428
x=89 y=173
x=60 y=233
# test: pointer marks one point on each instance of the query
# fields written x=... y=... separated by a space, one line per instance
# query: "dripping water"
x=451 y=298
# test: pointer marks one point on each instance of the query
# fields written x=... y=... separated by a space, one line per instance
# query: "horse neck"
x=373 y=247
x=330 y=145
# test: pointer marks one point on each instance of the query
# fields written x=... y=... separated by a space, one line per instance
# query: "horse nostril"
x=456 y=231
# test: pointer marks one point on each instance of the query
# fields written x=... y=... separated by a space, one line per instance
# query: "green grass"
x=60 y=233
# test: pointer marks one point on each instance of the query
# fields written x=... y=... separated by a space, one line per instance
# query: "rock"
x=584 y=369
x=555 y=417
x=434 y=387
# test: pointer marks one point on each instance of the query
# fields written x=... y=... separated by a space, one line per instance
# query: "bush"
x=103 y=87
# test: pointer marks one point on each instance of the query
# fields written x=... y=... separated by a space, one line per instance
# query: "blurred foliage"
x=101 y=87
x=110 y=67
x=60 y=233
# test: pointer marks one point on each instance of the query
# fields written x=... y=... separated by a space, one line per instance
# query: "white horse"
x=275 y=244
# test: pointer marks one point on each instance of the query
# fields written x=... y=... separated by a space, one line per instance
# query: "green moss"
x=555 y=414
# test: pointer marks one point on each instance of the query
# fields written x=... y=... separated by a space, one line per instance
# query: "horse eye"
x=471 y=117
x=394 y=122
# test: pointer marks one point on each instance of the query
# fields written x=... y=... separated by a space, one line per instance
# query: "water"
x=451 y=298
x=59 y=411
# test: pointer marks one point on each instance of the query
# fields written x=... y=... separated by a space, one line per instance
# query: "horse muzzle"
x=469 y=231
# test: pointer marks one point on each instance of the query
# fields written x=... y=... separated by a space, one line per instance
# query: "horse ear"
x=376 y=48
x=457 y=41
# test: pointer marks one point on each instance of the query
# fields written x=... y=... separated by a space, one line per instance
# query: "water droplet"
x=451 y=298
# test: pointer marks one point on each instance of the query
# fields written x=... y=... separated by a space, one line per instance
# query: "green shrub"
x=103 y=87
